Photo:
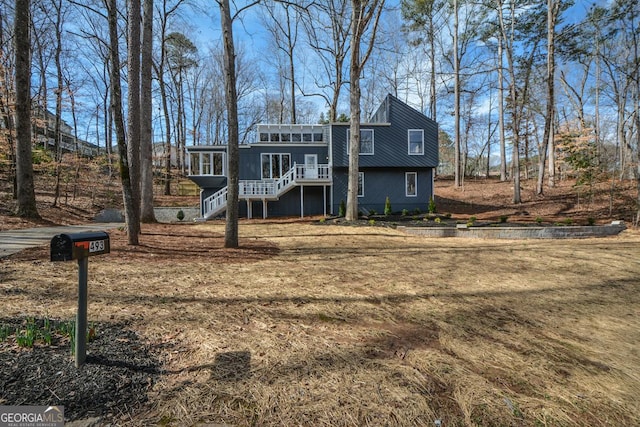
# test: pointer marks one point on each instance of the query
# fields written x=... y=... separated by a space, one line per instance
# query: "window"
x=275 y=165
x=366 y=141
x=207 y=164
x=218 y=164
x=416 y=142
x=411 y=184
x=194 y=164
x=360 y=184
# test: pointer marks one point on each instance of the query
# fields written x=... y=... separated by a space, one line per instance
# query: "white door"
x=311 y=166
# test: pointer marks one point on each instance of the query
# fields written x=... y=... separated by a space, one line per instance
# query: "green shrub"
x=417 y=211
x=437 y=220
x=591 y=221
x=372 y=222
x=538 y=220
x=180 y=215
x=432 y=205
x=387 y=206
x=567 y=221
x=342 y=210
x=504 y=218
x=447 y=215
x=405 y=212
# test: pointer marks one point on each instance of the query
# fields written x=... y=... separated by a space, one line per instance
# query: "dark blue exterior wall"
x=251 y=156
x=289 y=203
x=380 y=183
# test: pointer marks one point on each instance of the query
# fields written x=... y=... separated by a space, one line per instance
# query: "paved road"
x=12 y=241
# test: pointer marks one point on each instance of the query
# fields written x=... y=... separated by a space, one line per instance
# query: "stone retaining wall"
x=532 y=232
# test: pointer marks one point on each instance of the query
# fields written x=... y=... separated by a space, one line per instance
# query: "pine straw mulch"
x=334 y=325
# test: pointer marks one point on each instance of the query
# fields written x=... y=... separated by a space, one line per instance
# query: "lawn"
x=310 y=324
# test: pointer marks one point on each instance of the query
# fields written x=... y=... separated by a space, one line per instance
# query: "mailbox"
x=67 y=247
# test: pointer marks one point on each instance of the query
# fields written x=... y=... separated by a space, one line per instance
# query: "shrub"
x=387 y=206
x=373 y=212
x=180 y=215
x=447 y=215
x=432 y=205
x=437 y=220
x=405 y=212
x=417 y=211
x=504 y=218
x=342 y=210
x=591 y=221
x=372 y=222
x=567 y=221
x=538 y=220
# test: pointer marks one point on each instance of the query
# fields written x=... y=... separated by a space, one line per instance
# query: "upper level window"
x=366 y=141
x=275 y=165
x=416 y=142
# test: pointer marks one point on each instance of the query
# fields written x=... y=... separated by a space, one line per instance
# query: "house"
x=302 y=170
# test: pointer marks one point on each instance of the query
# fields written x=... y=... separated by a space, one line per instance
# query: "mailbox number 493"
x=96 y=246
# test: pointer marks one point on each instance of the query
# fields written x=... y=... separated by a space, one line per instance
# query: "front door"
x=311 y=166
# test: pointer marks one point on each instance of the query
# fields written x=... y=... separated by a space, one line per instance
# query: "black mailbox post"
x=80 y=246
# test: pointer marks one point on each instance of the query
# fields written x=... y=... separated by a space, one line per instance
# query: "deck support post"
x=264 y=208
x=302 y=201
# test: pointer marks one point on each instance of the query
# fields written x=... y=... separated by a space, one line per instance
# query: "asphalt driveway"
x=13 y=241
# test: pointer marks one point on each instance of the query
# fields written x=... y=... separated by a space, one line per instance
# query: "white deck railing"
x=265 y=189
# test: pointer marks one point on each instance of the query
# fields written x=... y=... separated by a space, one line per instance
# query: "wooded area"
x=521 y=89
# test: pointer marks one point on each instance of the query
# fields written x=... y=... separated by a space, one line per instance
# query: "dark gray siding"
x=390 y=138
x=289 y=203
x=251 y=156
x=380 y=183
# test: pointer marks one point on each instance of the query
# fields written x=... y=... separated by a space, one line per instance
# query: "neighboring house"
x=302 y=169
x=44 y=133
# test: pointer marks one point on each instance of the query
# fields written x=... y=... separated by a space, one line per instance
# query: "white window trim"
x=421 y=153
x=361 y=174
x=373 y=142
x=200 y=165
x=406 y=182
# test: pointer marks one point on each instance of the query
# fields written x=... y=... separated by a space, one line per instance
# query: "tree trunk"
x=351 y=213
x=147 y=214
x=133 y=111
x=57 y=149
x=503 y=144
x=118 y=119
x=26 y=206
x=231 y=227
x=456 y=96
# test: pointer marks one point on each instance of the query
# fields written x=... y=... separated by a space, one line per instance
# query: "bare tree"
x=146 y=146
x=133 y=112
x=553 y=10
x=365 y=15
x=26 y=206
x=231 y=227
x=285 y=19
x=131 y=213
x=327 y=26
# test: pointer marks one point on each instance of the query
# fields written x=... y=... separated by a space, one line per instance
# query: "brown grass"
x=352 y=326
